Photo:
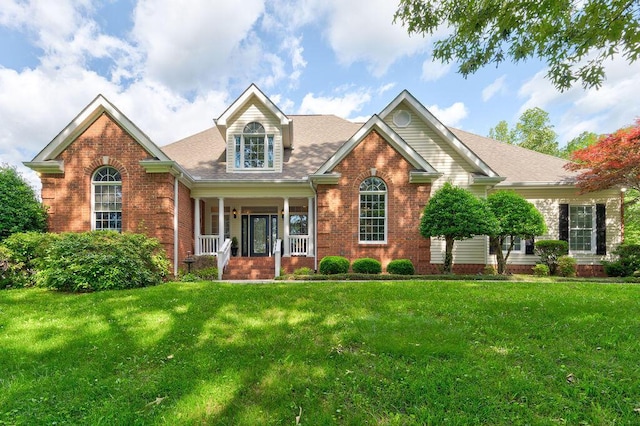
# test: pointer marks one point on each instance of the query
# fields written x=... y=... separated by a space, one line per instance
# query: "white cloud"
x=363 y=30
x=450 y=116
x=433 y=71
x=194 y=46
x=498 y=86
x=342 y=105
x=603 y=110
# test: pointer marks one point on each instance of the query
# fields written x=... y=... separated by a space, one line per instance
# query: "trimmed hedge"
x=103 y=260
x=366 y=265
x=330 y=265
x=401 y=267
x=628 y=262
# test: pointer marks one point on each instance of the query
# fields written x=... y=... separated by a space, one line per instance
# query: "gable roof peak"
x=250 y=92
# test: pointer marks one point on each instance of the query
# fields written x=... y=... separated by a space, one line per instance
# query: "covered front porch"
x=256 y=224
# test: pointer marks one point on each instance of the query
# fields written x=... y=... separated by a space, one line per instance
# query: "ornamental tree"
x=574 y=37
x=614 y=161
x=516 y=217
x=20 y=210
x=454 y=213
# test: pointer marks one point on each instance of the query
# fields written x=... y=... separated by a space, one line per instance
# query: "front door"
x=263 y=232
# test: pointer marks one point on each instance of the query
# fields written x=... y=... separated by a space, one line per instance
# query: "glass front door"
x=262 y=234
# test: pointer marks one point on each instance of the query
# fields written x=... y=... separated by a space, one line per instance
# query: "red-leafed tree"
x=613 y=161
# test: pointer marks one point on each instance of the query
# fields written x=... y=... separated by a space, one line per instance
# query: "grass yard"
x=344 y=353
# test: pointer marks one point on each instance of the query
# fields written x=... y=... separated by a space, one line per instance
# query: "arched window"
x=373 y=211
x=106 y=203
x=254 y=148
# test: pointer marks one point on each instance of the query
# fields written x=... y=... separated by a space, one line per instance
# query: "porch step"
x=262 y=268
x=250 y=268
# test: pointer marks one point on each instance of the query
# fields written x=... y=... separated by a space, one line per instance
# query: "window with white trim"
x=106 y=203
x=298 y=221
x=254 y=148
x=582 y=223
x=373 y=211
x=517 y=244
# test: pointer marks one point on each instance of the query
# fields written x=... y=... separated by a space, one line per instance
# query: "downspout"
x=175 y=225
x=315 y=225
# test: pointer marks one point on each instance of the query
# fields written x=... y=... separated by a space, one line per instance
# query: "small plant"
x=366 y=265
x=567 y=266
x=305 y=270
x=330 y=265
x=628 y=261
x=189 y=278
x=541 y=270
x=401 y=267
x=490 y=270
x=549 y=252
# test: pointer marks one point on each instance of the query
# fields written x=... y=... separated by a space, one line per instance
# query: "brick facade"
x=338 y=207
x=147 y=199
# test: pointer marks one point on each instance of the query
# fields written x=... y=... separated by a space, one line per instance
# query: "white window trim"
x=522 y=249
x=93 y=199
x=386 y=215
x=266 y=167
x=593 y=229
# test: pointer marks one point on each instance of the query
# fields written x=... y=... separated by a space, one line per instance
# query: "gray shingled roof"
x=317 y=137
x=517 y=165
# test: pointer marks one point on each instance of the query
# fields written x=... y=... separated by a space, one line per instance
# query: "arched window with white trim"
x=254 y=148
x=106 y=200
x=373 y=211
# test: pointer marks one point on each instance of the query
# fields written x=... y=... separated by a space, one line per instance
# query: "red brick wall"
x=147 y=198
x=338 y=207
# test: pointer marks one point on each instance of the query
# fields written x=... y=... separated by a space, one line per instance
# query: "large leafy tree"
x=614 y=161
x=516 y=217
x=20 y=210
x=583 y=140
x=574 y=37
x=532 y=131
x=453 y=214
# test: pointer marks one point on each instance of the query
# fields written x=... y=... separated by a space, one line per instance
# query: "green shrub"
x=489 y=270
x=189 y=278
x=401 y=267
x=541 y=270
x=305 y=270
x=330 y=265
x=628 y=261
x=207 y=274
x=366 y=265
x=567 y=266
x=549 y=252
x=103 y=260
x=24 y=254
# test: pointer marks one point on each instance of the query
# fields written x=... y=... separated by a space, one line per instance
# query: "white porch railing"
x=207 y=244
x=277 y=254
x=299 y=245
x=223 y=257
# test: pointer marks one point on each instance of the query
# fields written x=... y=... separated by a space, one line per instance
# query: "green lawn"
x=344 y=353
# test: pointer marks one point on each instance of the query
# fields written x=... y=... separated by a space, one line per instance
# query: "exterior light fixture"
x=282 y=213
x=235 y=213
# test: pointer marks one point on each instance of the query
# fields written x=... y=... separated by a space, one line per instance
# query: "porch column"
x=196 y=225
x=220 y=222
x=285 y=240
x=311 y=227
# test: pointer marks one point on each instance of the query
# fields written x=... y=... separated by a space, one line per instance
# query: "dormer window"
x=254 y=148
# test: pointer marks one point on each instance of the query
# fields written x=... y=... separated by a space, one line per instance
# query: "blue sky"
x=173 y=66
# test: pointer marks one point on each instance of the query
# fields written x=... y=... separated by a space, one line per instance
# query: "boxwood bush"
x=401 y=267
x=330 y=265
x=567 y=266
x=366 y=265
x=628 y=262
x=103 y=260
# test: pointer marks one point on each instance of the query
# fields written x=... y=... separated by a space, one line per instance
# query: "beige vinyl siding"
x=254 y=111
x=432 y=148
x=547 y=201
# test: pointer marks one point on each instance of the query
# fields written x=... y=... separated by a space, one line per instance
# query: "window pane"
x=580 y=228
x=372 y=210
x=107 y=199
